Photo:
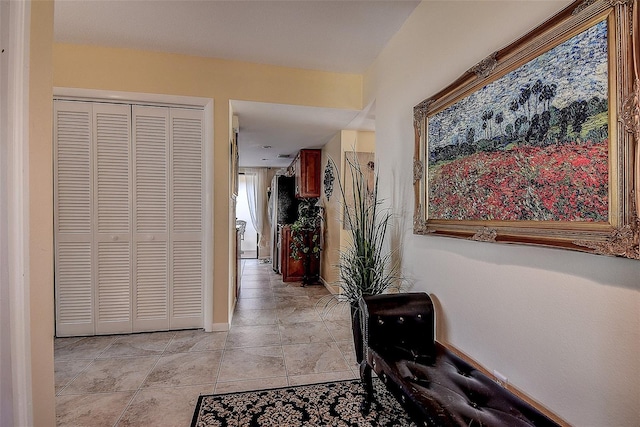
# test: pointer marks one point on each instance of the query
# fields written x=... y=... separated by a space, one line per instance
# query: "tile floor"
x=281 y=334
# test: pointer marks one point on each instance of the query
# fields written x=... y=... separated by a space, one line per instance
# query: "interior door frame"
x=76 y=94
x=14 y=214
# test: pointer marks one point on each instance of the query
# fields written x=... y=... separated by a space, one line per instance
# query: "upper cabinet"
x=306 y=168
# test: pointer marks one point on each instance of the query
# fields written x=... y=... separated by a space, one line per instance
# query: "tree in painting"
x=531 y=145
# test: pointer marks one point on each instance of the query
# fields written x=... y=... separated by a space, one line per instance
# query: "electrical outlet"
x=500 y=378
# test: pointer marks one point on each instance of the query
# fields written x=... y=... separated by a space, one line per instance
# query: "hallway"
x=282 y=334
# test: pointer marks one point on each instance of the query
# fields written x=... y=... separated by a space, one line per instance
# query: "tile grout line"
x=139 y=389
x=92 y=361
x=224 y=349
x=226 y=339
x=59 y=393
x=278 y=324
x=126 y=408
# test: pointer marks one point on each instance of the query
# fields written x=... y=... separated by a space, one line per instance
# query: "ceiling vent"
x=284 y=156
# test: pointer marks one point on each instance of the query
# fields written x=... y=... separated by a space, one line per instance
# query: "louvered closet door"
x=128 y=218
x=72 y=218
x=112 y=218
x=151 y=218
x=186 y=221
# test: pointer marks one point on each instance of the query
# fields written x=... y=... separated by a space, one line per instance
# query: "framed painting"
x=537 y=144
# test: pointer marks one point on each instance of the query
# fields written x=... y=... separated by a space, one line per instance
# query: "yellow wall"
x=332 y=225
x=91 y=67
x=358 y=141
x=41 y=212
x=335 y=237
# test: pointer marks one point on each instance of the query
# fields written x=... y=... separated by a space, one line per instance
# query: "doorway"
x=248 y=239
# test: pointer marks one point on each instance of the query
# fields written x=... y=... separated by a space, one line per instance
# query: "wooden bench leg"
x=365 y=376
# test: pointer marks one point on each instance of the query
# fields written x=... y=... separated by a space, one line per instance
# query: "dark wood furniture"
x=435 y=386
x=293 y=270
x=306 y=167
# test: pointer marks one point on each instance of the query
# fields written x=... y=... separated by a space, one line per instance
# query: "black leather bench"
x=436 y=387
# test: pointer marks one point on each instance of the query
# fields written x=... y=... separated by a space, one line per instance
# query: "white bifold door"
x=128 y=218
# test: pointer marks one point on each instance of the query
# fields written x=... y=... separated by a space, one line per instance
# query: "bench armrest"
x=398 y=324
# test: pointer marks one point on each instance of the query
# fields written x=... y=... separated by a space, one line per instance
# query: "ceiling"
x=330 y=35
x=269 y=132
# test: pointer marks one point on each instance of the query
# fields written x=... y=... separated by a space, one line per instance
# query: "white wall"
x=563 y=326
x=6 y=389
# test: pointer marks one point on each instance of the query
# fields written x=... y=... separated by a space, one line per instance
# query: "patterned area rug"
x=328 y=404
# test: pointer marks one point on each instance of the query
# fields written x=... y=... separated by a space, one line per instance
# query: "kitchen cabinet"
x=293 y=270
x=306 y=168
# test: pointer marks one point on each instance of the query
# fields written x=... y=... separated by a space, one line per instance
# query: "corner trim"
x=75 y=94
x=17 y=198
x=219 y=327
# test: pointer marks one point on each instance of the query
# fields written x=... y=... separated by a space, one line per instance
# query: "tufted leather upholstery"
x=436 y=387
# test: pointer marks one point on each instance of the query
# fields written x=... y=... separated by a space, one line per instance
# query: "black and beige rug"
x=326 y=405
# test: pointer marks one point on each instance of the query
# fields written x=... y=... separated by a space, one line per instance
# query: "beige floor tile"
x=198 y=340
x=166 y=407
x=251 y=363
x=254 y=317
x=333 y=310
x=91 y=410
x=339 y=330
x=261 y=384
x=296 y=289
x=348 y=351
x=315 y=358
x=110 y=375
x=301 y=301
x=252 y=274
x=183 y=369
x=146 y=344
x=303 y=333
x=295 y=314
x=65 y=371
x=259 y=282
x=317 y=291
x=321 y=378
x=255 y=304
x=292 y=291
x=66 y=341
x=253 y=336
x=81 y=348
x=294 y=338
x=255 y=293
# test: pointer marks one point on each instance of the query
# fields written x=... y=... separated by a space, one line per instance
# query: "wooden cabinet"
x=293 y=270
x=307 y=173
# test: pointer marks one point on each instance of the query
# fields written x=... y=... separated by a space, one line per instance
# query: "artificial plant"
x=305 y=236
x=366 y=266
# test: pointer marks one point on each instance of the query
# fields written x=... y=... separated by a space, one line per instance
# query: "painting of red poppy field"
x=564 y=182
x=532 y=145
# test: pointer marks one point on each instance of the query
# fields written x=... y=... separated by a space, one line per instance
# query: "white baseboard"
x=219 y=327
x=331 y=288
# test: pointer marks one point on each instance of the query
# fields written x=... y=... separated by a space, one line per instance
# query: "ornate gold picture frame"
x=538 y=143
